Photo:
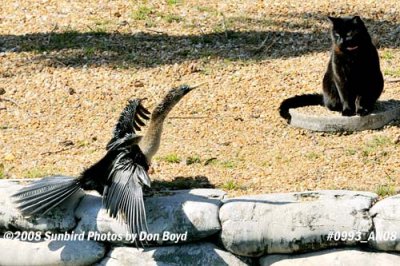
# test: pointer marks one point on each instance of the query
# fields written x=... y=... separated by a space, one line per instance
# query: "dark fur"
x=299 y=101
x=353 y=81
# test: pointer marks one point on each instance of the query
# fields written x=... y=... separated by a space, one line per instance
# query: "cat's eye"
x=349 y=34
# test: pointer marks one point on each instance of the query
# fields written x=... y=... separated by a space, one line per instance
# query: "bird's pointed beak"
x=198 y=85
x=184 y=89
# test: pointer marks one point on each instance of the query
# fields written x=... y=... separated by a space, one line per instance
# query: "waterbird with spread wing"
x=120 y=175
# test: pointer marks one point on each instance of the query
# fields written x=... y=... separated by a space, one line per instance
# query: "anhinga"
x=119 y=176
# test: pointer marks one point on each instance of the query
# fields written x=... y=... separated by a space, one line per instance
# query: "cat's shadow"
x=395 y=104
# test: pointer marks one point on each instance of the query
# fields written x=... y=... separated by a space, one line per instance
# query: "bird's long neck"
x=151 y=141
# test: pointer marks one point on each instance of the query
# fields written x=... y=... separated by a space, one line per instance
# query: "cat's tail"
x=299 y=101
x=43 y=195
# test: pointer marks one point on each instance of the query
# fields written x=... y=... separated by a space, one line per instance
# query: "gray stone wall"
x=203 y=227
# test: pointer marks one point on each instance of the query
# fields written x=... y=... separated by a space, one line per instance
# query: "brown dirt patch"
x=68 y=68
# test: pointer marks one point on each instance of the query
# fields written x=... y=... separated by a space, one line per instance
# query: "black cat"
x=353 y=81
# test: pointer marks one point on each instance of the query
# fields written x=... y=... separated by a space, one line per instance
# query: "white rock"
x=189 y=254
x=333 y=257
x=386 y=217
x=42 y=253
x=194 y=212
x=293 y=222
x=61 y=218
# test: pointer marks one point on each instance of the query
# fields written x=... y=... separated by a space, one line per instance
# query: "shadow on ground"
x=150 y=49
x=182 y=182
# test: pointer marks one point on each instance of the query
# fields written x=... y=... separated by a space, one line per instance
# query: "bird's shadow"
x=182 y=182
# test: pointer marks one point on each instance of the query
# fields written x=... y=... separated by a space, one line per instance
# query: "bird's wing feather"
x=123 y=197
x=130 y=120
x=123 y=143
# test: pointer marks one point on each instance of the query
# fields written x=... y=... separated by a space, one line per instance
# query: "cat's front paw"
x=362 y=111
x=348 y=112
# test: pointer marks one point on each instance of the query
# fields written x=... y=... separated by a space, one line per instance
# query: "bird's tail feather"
x=43 y=195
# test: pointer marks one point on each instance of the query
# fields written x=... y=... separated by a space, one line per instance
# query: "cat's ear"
x=333 y=20
x=357 y=20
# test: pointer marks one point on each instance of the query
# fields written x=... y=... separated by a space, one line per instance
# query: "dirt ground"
x=67 y=68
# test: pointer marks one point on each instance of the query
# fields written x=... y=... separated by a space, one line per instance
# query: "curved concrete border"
x=389 y=111
x=254 y=230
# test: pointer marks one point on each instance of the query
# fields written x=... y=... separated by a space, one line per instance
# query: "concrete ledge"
x=51 y=252
x=201 y=253
x=385 y=112
x=247 y=230
x=189 y=214
x=294 y=222
x=333 y=257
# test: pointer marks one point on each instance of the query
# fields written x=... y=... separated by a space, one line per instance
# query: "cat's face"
x=347 y=33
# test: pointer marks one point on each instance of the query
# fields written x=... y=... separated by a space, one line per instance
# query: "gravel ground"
x=67 y=68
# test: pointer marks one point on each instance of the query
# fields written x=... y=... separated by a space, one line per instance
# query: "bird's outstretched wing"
x=130 y=120
x=123 y=193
